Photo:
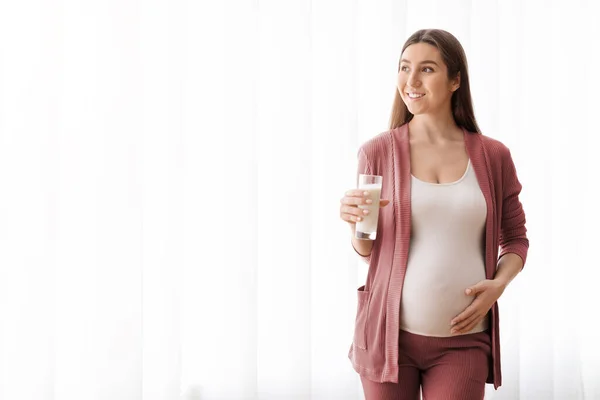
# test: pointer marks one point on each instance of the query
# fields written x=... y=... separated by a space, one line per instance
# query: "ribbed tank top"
x=446 y=254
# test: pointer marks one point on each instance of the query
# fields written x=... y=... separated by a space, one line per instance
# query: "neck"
x=433 y=129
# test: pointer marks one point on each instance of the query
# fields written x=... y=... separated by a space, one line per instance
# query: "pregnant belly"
x=427 y=308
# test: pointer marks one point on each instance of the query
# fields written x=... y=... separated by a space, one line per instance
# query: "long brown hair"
x=454 y=57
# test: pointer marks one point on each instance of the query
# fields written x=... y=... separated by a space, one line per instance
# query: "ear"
x=456 y=84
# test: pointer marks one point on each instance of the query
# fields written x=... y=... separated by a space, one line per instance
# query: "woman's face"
x=422 y=71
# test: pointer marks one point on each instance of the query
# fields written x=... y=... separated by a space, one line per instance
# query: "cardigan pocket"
x=360 y=325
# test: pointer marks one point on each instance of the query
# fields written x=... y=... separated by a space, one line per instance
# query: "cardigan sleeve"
x=513 y=233
x=364 y=167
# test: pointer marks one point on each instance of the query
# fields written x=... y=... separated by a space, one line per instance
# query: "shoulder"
x=377 y=146
x=499 y=155
x=495 y=148
x=492 y=144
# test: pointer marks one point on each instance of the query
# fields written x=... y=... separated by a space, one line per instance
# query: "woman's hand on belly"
x=486 y=293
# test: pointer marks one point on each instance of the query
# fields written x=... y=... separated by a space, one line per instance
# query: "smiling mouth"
x=415 y=97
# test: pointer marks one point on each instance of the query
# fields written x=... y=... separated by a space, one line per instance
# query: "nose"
x=413 y=80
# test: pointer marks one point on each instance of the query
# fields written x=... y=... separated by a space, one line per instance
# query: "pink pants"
x=447 y=368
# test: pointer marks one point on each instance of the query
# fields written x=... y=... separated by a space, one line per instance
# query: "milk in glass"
x=367 y=227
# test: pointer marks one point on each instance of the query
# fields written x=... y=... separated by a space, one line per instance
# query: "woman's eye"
x=402 y=68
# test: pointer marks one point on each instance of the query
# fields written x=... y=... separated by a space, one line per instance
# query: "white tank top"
x=446 y=254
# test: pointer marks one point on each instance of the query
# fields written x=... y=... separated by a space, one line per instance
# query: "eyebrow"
x=423 y=62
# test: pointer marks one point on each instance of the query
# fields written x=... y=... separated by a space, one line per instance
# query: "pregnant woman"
x=450 y=237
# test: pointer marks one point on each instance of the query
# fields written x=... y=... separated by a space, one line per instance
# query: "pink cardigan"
x=374 y=349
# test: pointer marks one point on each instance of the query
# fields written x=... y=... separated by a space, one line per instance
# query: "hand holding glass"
x=367 y=227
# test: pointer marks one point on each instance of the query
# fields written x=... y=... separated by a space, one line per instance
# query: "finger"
x=467 y=313
x=351 y=214
x=383 y=203
x=351 y=218
x=356 y=193
x=353 y=201
x=470 y=325
x=461 y=326
x=355 y=211
x=355 y=198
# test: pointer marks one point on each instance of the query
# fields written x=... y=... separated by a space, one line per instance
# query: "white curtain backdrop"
x=170 y=177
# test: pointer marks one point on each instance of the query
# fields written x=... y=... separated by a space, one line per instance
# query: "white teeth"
x=414 y=96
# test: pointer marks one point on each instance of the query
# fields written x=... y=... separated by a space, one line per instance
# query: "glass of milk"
x=367 y=227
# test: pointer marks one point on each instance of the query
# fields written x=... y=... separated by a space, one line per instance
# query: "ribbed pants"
x=444 y=368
